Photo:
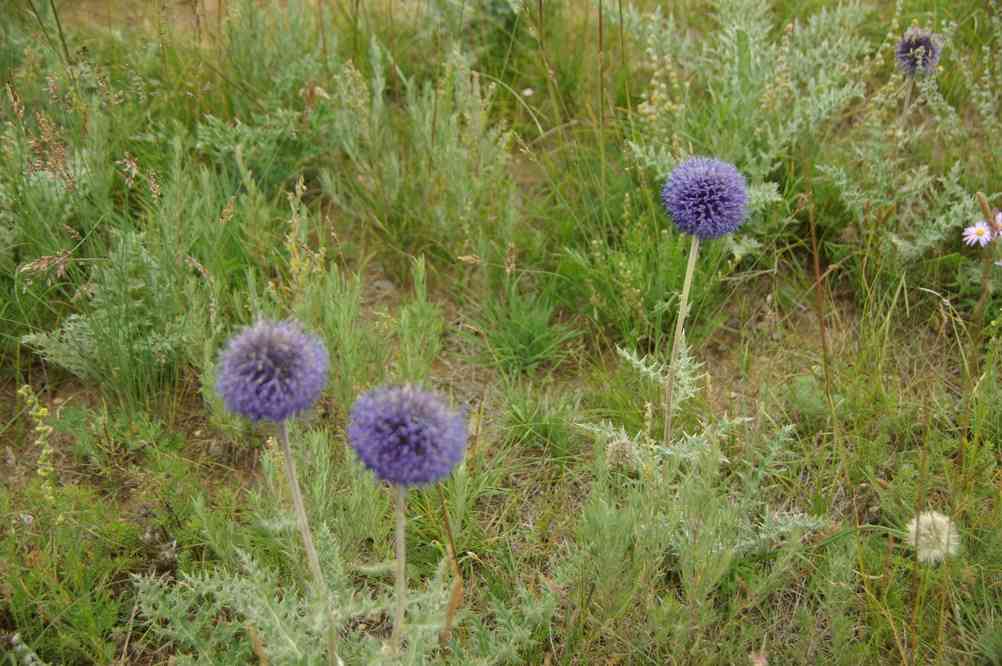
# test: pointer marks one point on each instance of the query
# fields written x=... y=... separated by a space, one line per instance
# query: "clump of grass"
x=522 y=331
x=66 y=552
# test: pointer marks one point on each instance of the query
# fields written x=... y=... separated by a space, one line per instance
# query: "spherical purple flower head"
x=272 y=370
x=918 y=51
x=406 y=436
x=705 y=197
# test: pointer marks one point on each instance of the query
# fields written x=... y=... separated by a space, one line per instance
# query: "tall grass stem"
x=458 y=588
x=820 y=313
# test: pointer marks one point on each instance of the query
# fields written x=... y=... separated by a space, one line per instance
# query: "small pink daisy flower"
x=979 y=234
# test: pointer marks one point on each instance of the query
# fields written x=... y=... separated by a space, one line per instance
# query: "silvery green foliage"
x=765 y=94
x=438 y=177
x=456 y=18
x=333 y=304
x=130 y=325
x=275 y=144
x=984 y=83
x=689 y=501
x=284 y=122
x=421 y=326
x=191 y=614
x=705 y=522
x=224 y=617
x=21 y=653
x=41 y=199
x=686 y=372
x=209 y=617
x=41 y=191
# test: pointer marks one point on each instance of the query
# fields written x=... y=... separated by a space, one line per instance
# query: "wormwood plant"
x=421 y=326
x=44 y=184
x=737 y=93
x=131 y=335
x=434 y=177
x=294 y=133
x=332 y=302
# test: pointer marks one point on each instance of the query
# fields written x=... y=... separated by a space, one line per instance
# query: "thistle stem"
x=683 y=310
x=401 y=569
x=311 y=551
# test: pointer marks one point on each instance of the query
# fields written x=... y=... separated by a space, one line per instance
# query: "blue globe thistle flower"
x=706 y=197
x=406 y=436
x=918 y=51
x=272 y=370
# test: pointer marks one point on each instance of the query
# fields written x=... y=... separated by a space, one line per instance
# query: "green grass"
x=466 y=196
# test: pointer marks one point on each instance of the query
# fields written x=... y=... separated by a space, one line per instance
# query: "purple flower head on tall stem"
x=918 y=51
x=406 y=436
x=272 y=370
x=706 y=197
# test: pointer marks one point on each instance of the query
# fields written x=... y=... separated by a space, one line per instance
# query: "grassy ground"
x=466 y=195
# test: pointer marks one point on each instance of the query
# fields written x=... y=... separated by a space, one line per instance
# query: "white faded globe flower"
x=933 y=536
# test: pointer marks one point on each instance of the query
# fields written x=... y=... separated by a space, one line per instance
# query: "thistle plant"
x=918 y=52
x=275 y=370
x=407 y=437
x=706 y=198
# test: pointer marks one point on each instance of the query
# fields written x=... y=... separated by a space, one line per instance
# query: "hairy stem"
x=683 y=310
x=311 y=550
x=401 y=569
